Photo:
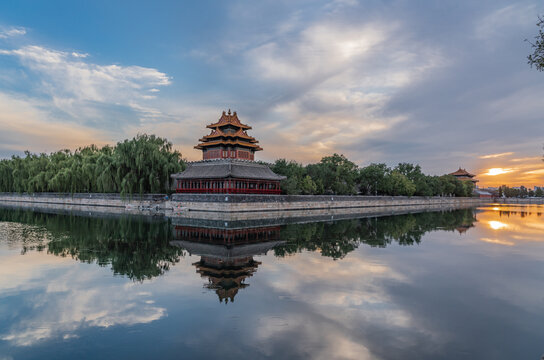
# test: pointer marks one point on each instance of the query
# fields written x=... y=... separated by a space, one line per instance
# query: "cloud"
x=497 y=171
x=316 y=53
x=27 y=126
x=79 y=55
x=11 y=32
x=504 y=19
x=492 y=156
x=88 y=92
x=335 y=86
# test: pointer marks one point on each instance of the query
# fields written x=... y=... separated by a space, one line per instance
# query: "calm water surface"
x=465 y=284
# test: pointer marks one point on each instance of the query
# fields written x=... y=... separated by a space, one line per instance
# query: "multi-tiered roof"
x=228 y=165
x=464 y=175
x=228 y=134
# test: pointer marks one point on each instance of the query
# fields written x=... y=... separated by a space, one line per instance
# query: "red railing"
x=229 y=191
x=232 y=186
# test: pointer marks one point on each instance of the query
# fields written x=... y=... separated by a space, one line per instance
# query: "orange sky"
x=509 y=169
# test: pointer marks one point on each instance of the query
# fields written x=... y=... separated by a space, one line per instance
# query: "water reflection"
x=143 y=247
x=226 y=255
x=442 y=285
x=136 y=247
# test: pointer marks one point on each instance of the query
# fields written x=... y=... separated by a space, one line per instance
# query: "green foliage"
x=398 y=184
x=295 y=173
x=336 y=173
x=372 y=179
x=140 y=165
x=537 y=57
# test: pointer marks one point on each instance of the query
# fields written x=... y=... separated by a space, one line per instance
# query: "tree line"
x=140 y=165
x=144 y=165
x=337 y=175
x=520 y=192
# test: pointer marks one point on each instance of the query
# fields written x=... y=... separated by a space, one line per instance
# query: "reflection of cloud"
x=498 y=241
x=64 y=305
x=517 y=224
x=497 y=225
x=339 y=296
x=332 y=343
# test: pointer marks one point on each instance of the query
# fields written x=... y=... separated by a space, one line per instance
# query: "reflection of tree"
x=140 y=248
x=337 y=239
x=134 y=246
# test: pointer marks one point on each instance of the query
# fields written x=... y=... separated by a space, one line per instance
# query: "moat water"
x=463 y=284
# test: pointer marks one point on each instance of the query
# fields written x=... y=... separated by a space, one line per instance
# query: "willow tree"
x=140 y=165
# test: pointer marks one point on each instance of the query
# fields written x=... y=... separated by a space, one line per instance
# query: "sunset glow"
x=497 y=225
x=497 y=171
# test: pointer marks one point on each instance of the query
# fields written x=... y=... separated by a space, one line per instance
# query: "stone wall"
x=250 y=203
x=85 y=199
x=235 y=203
x=249 y=219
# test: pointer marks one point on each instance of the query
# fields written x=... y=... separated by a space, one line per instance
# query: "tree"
x=372 y=179
x=414 y=174
x=399 y=184
x=143 y=164
x=295 y=174
x=337 y=174
x=537 y=57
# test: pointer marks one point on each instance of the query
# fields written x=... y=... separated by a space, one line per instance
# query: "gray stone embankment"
x=247 y=206
x=261 y=203
x=85 y=200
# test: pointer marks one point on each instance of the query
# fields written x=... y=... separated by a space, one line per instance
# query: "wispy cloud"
x=79 y=55
x=497 y=21
x=11 y=32
x=333 y=78
x=493 y=156
x=84 y=89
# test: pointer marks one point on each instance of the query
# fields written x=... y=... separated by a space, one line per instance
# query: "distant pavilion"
x=464 y=175
x=228 y=165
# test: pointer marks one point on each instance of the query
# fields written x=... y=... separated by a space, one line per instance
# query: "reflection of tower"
x=226 y=255
x=461 y=229
x=467 y=224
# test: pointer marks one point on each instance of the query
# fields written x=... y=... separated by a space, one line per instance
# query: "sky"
x=441 y=84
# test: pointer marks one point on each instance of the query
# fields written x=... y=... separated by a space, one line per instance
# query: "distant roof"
x=462 y=172
x=224 y=168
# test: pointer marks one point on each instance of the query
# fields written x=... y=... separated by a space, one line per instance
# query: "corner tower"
x=228 y=140
x=228 y=165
